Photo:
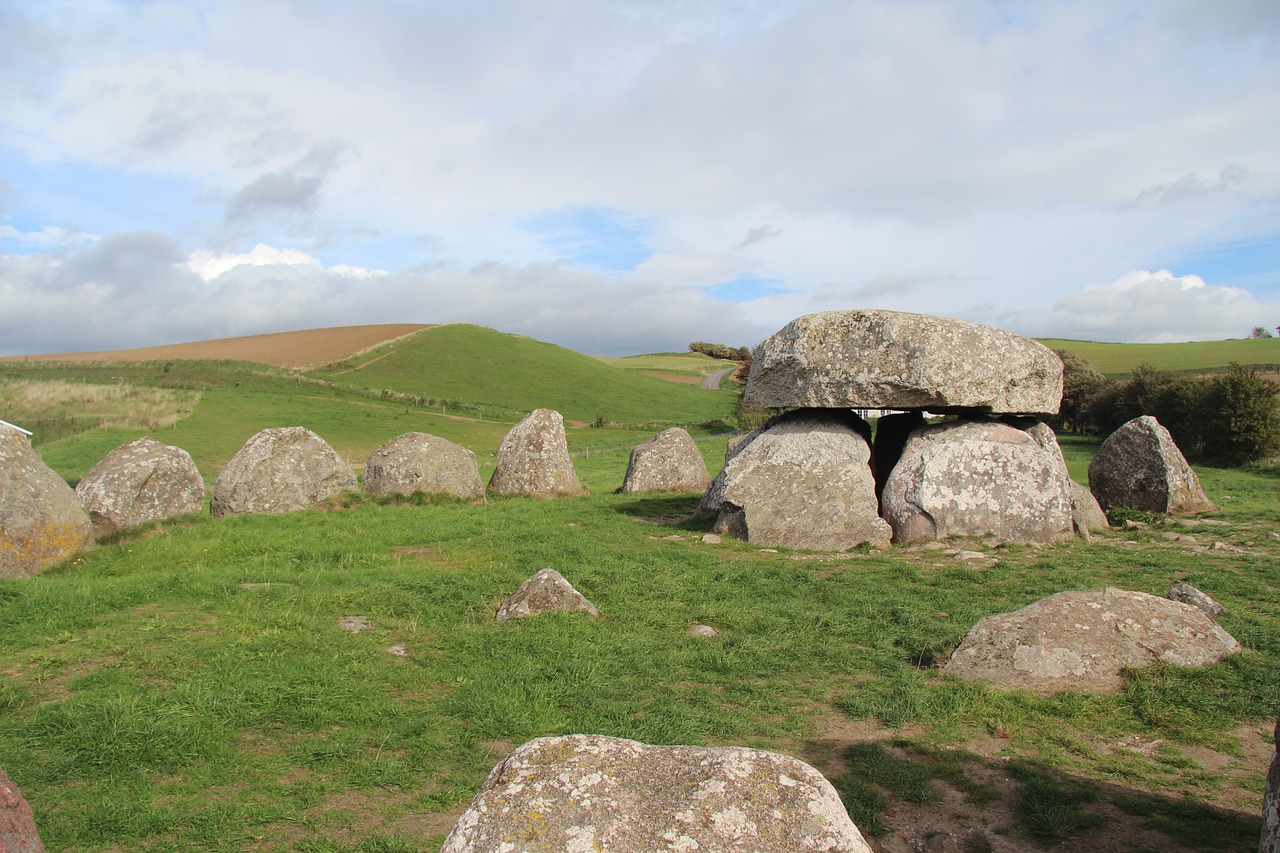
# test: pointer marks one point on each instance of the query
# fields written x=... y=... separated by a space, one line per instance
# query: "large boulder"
x=1083 y=641
x=417 y=462
x=280 y=470
x=139 y=482
x=804 y=482
x=544 y=592
x=42 y=522
x=892 y=360
x=533 y=459
x=972 y=478
x=590 y=792
x=668 y=462
x=1140 y=467
x=17 y=825
x=709 y=506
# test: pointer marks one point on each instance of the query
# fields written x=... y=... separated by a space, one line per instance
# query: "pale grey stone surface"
x=139 y=482
x=534 y=460
x=889 y=359
x=547 y=590
x=582 y=793
x=1140 y=467
x=1086 y=514
x=418 y=462
x=668 y=462
x=973 y=478
x=1083 y=640
x=804 y=482
x=280 y=470
x=42 y=522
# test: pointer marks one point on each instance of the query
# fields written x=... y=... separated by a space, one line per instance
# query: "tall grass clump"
x=53 y=409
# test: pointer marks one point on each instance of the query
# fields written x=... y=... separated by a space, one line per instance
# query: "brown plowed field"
x=282 y=349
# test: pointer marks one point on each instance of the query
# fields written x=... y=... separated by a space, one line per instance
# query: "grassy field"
x=1197 y=356
x=190 y=687
x=500 y=375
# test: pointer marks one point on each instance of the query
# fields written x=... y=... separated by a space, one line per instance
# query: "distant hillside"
x=1195 y=356
x=513 y=374
x=281 y=349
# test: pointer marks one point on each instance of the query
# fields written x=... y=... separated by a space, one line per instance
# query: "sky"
x=628 y=177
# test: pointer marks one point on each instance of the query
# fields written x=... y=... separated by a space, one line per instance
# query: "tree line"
x=1229 y=418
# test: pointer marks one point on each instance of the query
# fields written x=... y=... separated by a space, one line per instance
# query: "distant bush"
x=1229 y=418
x=721 y=351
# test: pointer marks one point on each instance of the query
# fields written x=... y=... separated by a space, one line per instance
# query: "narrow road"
x=713 y=379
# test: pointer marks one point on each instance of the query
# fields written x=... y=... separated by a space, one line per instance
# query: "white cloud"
x=981 y=160
x=1153 y=307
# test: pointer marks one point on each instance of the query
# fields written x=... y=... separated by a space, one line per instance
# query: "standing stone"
x=804 y=482
x=590 y=792
x=1086 y=514
x=545 y=591
x=871 y=359
x=668 y=462
x=974 y=478
x=1140 y=467
x=534 y=461
x=17 y=824
x=280 y=470
x=1270 y=842
x=1084 y=640
x=42 y=522
x=139 y=482
x=709 y=506
x=417 y=462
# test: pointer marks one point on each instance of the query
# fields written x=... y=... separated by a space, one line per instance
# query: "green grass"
x=1194 y=356
x=187 y=687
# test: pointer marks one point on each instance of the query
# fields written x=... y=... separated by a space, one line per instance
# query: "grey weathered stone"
x=1140 y=467
x=42 y=522
x=1270 y=841
x=1188 y=594
x=280 y=470
x=17 y=824
x=139 y=482
x=973 y=478
x=545 y=591
x=534 y=460
x=589 y=792
x=1086 y=515
x=668 y=462
x=888 y=359
x=1083 y=640
x=418 y=462
x=709 y=506
x=804 y=482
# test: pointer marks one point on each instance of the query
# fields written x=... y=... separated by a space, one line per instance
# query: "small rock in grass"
x=1188 y=594
x=354 y=624
x=545 y=591
x=712 y=538
x=398 y=651
x=703 y=631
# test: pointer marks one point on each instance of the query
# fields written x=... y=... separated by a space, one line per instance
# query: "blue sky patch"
x=746 y=288
x=1253 y=263
x=599 y=237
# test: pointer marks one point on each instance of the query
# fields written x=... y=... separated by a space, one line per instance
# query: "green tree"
x=1243 y=416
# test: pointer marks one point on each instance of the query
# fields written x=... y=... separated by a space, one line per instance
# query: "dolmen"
x=591 y=792
x=814 y=477
x=42 y=522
